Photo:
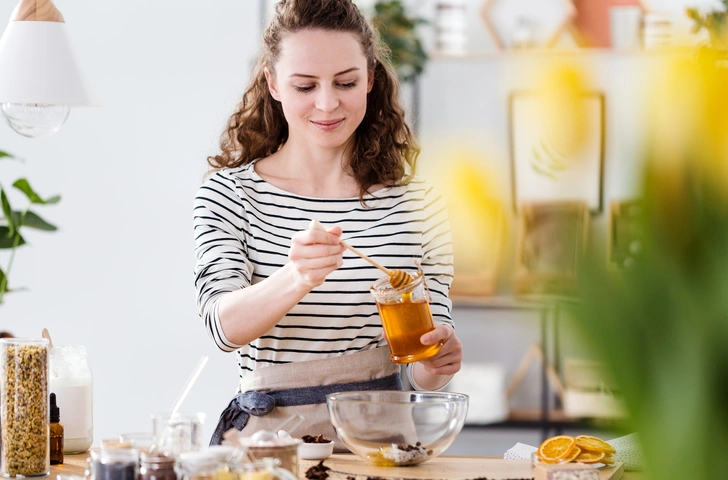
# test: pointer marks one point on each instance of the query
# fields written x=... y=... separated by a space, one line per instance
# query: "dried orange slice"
x=590 y=457
x=594 y=444
x=555 y=448
x=575 y=452
x=608 y=460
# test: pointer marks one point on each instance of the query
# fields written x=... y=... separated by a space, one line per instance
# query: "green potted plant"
x=714 y=21
x=13 y=222
x=399 y=31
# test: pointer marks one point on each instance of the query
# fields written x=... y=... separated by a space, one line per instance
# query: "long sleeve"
x=220 y=248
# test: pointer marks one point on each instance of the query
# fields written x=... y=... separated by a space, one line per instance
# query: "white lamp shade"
x=37 y=66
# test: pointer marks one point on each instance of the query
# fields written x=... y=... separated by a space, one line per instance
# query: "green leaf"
x=32 y=220
x=3 y=284
x=8 y=212
x=23 y=185
x=6 y=239
x=5 y=155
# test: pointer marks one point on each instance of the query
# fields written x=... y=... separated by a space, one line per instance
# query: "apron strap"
x=362 y=365
x=245 y=404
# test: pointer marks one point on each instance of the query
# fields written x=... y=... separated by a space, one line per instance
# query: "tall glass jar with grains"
x=24 y=416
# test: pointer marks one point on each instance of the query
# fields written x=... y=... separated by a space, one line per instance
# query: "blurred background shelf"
x=533 y=419
x=555 y=422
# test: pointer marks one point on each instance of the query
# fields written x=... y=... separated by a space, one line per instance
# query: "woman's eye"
x=348 y=85
x=303 y=89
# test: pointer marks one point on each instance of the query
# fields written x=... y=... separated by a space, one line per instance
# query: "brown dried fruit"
x=318 y=471
x=315 y=439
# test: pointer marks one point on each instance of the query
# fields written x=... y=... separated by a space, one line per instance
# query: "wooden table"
x=72 y=465
x=448 y=467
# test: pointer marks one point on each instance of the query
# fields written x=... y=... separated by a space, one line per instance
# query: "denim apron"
x=270 y=395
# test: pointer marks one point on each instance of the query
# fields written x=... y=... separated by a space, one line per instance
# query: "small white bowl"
x=315 y=451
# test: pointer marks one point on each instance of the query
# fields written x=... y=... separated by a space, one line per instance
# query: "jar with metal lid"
x=113 y=464
x=72 y=382
x=264 y=469
x=24 y=410
x=156 y=466
x=201 y=465
x=225 y=454
x=265 y=444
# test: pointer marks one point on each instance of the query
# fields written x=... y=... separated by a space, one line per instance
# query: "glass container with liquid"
x=72 y=382
x=406 y=316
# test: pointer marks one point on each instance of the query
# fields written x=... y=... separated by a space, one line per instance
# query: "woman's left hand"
x=448 y=359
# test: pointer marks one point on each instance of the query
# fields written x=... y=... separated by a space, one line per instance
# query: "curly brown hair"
x=384 y=151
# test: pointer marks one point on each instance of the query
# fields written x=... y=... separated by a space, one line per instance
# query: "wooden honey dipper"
x=397 y=278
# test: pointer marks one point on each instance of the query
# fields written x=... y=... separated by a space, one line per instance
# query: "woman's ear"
x=271 y=80
x=370 y=80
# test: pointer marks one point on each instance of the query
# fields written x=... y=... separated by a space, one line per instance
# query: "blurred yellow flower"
x=688 y=128
x=477 y=219
x=563 y=113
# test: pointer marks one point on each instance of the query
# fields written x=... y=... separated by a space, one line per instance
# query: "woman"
x=319 y=134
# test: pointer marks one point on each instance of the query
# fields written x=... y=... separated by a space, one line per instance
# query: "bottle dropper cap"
x=55 y=411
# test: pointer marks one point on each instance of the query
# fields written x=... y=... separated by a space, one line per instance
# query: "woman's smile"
x=327 y=125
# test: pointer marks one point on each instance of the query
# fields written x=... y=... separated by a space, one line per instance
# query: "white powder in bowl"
x=403 y=454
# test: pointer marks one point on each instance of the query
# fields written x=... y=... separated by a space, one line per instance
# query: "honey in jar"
x=406 y=316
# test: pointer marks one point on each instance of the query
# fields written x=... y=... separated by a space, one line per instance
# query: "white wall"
x=117 y=277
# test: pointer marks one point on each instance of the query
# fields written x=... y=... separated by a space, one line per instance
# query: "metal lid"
x=156 y=457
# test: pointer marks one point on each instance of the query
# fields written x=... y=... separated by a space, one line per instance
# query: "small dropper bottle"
x=56 y=453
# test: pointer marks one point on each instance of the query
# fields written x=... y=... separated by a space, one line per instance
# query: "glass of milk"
x=72 y=382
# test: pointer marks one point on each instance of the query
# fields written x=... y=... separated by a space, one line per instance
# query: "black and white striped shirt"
x=243 y=228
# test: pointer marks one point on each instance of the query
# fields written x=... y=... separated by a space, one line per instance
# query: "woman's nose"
x=327 y=100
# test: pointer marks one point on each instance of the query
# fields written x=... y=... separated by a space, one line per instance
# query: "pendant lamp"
x=39 y=77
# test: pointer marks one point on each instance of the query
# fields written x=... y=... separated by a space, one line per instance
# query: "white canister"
x=624 y=26
x=485 y=384
x=72 y=382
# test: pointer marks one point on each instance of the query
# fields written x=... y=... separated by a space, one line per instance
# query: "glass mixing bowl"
x=395 y=428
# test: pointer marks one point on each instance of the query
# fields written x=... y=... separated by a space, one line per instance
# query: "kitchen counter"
x=351 y=465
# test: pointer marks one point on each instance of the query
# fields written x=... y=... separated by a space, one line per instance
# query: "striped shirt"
x=243 y=228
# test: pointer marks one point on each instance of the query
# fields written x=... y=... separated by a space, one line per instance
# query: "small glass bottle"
x=71 y=379
x=56 y=433
x=24 y=419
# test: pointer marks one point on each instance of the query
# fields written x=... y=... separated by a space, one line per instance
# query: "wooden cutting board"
x=440 y=468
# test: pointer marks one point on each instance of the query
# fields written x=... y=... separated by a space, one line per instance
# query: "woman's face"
x=322 y=82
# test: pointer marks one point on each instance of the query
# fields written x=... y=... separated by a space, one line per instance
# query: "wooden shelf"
x=511 y=302
x=556 y=52
x=556 y=420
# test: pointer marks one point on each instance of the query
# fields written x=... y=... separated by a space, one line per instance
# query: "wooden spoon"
x=45 y=334
x=397 y=278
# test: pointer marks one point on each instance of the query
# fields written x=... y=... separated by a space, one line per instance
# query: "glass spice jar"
x=201 y=465
x=113 y=464
x=284 y=450
x=264 y=469
x=24 y=412
x=156 y=466
x=224 y=455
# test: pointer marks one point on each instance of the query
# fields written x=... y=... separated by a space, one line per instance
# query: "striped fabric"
x=243 y=228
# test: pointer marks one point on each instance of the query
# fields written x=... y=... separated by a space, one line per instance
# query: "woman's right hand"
x=315 y=253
